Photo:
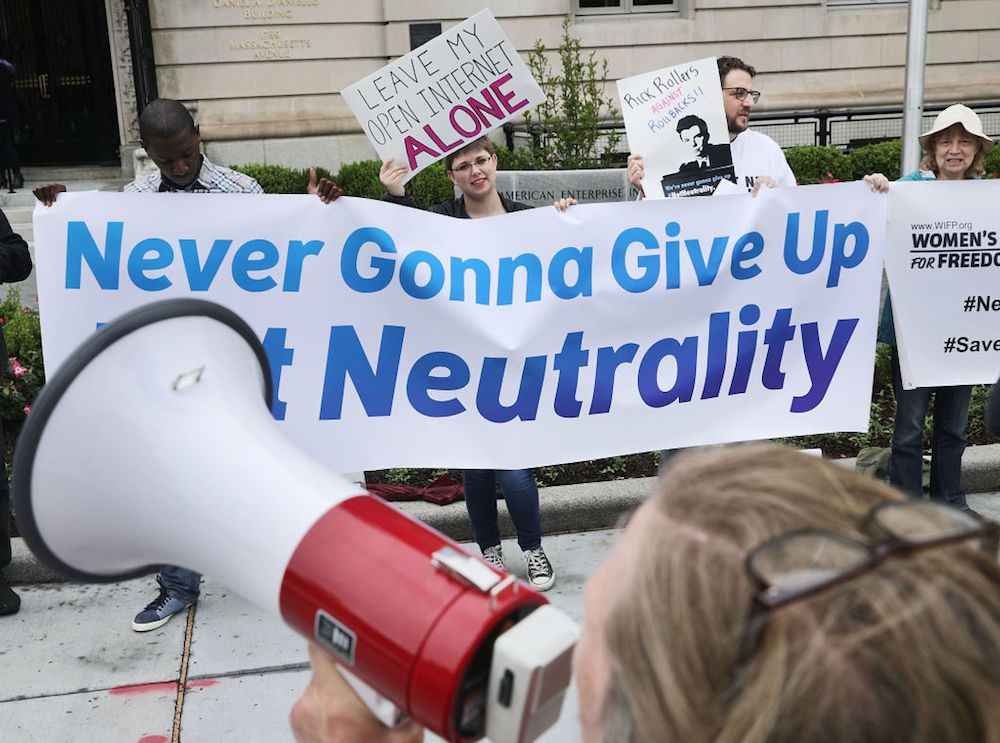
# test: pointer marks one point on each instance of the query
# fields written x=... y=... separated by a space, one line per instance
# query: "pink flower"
x=15 y=366
x=27 y=410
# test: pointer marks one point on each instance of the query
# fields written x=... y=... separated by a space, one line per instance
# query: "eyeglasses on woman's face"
x=465 y=168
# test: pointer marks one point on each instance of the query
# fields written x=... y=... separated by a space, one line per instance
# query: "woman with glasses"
x=953 y=150
x=766 y=596
x=473 y=169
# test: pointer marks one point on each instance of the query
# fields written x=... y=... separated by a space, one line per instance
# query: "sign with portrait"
x=675 y=119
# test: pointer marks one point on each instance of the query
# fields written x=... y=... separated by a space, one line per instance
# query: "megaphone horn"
x=150 y=446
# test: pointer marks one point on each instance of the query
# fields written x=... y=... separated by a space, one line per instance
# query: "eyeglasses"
x=742 y=93
x=805 y=562
x=466 y=168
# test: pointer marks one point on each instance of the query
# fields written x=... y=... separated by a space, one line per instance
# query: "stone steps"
x=20 y=205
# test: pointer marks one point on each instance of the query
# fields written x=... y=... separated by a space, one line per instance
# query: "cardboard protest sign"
x=943 y=263
x=675 y=119
x=445 y=94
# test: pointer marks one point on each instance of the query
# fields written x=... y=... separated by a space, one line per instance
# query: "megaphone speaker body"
x=151 y=446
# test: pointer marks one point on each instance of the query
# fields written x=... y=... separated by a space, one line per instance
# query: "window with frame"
x=594 y=7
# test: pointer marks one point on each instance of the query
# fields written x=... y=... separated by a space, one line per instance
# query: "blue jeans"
x=520 y=492
x=951 y=414
x=180 y=583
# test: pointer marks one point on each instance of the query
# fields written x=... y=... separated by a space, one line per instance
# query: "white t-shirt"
x=756 y=154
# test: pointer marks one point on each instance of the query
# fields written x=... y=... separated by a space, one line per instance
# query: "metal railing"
x=846 y=128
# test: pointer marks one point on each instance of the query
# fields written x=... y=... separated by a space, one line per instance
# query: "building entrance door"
x=62 y=80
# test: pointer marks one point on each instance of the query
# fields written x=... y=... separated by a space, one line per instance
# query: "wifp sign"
x=943 y=265
x=445 y=94
x=403 y=338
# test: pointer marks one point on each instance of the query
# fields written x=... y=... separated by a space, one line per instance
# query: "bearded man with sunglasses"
x=758 y=160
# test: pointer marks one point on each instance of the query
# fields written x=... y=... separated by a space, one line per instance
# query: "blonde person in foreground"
x=761 y=595
x=953 y=150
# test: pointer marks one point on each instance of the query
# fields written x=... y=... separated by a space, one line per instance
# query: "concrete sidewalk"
x=74 y=671
x=565 y=508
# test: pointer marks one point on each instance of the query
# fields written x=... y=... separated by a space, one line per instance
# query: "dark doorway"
x=62 y=80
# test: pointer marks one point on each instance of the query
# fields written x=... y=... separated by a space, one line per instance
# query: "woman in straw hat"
x=953 y=150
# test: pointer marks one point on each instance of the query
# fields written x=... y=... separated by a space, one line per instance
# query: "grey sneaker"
x=158 y=612
x=541 y=576
x=494 y=556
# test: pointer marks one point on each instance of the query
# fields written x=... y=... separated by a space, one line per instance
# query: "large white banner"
x=449 y=92
x=943 y=265
x=404 y=338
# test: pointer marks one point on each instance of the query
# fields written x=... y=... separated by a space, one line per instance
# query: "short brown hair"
x=728 y=64
x=908 y=652
x=483 y=143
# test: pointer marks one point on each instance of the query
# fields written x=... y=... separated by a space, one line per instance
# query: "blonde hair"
x=929 y=160
x=907 y=652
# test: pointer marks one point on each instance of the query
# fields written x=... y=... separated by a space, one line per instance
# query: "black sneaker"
x=10 y=602
x=541 y=576
x=158 y=612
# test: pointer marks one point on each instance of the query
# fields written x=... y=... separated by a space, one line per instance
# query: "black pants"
x=8 y=150
x=4 y=511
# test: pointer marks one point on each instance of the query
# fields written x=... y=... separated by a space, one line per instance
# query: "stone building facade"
x=264 y=75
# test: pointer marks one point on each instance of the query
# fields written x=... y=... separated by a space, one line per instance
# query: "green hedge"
x=819 y=164
x=361 y=179
x=883 y=157
x=279 y=179
x=993 y=163
x=429 y=186
x=432 y=186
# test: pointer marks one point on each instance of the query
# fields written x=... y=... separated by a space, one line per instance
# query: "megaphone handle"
x=387 y=712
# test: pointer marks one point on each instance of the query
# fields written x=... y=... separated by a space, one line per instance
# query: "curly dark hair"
x=728 y=64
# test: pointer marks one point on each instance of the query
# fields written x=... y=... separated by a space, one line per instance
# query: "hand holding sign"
x=449 y=92
x=393 y=176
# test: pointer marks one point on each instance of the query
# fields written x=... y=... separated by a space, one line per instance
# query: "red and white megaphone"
x=154 y=444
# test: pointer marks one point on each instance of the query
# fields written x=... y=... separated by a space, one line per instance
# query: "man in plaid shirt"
x=170 y=138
